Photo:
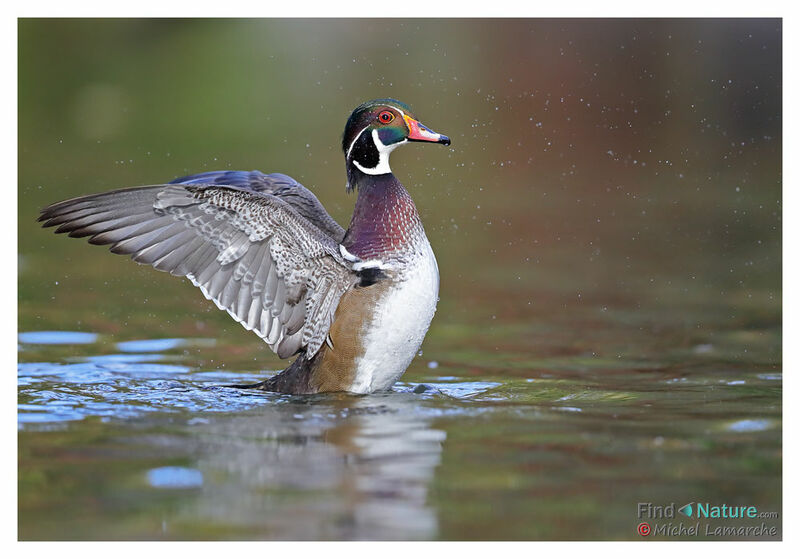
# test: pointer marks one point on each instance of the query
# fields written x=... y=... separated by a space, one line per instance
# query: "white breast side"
x=399 y=325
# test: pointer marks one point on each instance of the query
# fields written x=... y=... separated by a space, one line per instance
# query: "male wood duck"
x=353 y=305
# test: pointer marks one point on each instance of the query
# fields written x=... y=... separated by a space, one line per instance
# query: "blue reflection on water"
x=125 y=358
x=174 y=477
x=150 y=345
x=57 y=338
x=57 y=392
x=747 y=425
x=125 y=385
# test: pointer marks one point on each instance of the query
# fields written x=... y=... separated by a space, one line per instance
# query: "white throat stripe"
x=367 y=126
x=382 y=167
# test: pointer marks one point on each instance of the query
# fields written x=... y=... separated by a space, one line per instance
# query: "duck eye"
x=386 y=117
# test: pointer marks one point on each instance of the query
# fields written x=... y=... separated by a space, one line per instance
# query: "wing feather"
x=262 y=251
x=279 y=185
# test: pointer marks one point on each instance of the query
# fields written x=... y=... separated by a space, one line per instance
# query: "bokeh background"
x=610 y=203
x=635 y=160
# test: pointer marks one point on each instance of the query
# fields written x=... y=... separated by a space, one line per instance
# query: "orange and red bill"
x=418 y=132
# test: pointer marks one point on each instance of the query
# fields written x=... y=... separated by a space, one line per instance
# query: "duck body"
x=402 y=313
x=354 y=305
x=381 y=322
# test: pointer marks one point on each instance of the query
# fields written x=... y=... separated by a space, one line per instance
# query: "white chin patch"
x=382 y=167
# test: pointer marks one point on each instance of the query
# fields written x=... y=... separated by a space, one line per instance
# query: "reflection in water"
x=351 y=468
x=312 y=467
x=149 y=445
x=174 y=477
x=57 y=338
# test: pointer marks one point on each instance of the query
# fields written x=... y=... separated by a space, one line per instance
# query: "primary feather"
x=260 y=246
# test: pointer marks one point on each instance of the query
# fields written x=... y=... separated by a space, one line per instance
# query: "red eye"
x=386 y=117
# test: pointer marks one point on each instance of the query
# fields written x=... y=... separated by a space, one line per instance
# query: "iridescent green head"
x=375 y=129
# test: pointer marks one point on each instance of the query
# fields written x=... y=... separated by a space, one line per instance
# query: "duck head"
x=374 y=130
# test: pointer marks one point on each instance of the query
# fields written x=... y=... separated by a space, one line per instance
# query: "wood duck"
x=354 y=306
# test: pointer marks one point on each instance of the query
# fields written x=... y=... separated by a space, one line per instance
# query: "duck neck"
x=385 y=221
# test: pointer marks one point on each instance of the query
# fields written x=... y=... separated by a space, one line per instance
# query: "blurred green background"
x=609 y=212
x=637 y=159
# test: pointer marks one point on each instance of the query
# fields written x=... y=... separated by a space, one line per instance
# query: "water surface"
x=147 y=442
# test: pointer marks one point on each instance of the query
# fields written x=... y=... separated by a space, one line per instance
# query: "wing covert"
x=276 y=184
x=254 y=254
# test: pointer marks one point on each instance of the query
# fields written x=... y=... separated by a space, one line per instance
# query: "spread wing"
x=254 y=254
x=282 y=186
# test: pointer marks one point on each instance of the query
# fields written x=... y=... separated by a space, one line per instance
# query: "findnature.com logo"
x=704 y=514
x=706 y=510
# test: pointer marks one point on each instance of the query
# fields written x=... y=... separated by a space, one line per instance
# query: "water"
x=607 y=224
x=151 y=445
